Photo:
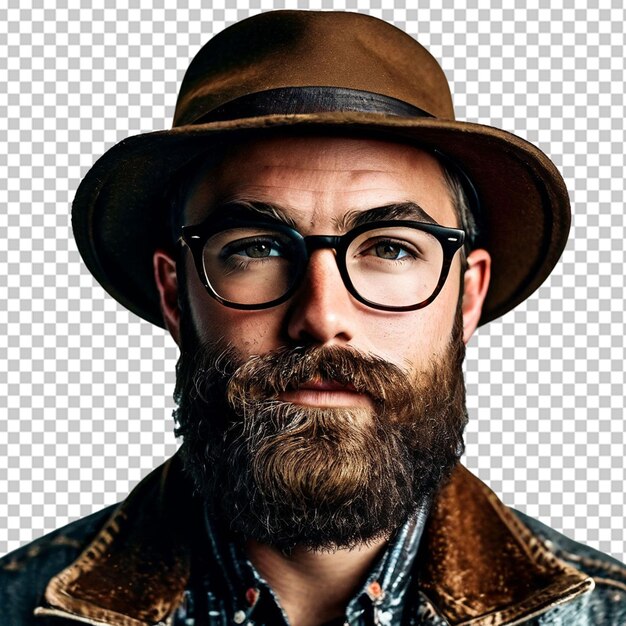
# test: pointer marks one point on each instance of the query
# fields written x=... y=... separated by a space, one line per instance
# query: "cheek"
x=418 y=336
x=249 y=332
x=408 y=338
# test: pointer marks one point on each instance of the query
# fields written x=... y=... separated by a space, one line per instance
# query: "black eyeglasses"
x=391 y=265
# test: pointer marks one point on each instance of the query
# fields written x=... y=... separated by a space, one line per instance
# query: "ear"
x=476 y=283
x=167 y=284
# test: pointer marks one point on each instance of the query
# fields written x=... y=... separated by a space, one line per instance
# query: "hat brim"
x=118 y=214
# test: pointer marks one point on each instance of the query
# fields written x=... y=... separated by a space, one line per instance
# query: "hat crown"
x=283 y=49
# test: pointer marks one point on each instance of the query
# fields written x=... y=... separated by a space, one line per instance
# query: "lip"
x=326 y=393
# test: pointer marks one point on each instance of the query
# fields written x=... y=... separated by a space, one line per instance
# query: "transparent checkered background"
x=85 y=386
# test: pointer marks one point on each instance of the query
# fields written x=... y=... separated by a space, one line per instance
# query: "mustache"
x=263 y=377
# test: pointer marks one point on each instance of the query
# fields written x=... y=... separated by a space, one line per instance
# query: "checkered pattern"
x=85 y=392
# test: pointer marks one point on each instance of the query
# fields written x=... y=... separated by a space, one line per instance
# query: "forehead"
x=317 y=180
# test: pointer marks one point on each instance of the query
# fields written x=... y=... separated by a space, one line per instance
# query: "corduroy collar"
x=477 y=564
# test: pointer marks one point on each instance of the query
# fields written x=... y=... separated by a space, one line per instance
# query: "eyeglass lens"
x=391 y=266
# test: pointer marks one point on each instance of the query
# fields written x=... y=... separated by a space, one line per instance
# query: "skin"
x=317 y=180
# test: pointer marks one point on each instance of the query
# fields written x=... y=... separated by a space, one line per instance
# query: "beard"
x=322 y=478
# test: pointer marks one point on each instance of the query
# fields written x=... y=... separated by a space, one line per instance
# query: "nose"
x=322 y=311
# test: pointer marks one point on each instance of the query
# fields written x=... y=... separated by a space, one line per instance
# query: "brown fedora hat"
x=330 y=72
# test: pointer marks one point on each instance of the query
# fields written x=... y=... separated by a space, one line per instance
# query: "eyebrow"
x=249 y=209
x=394 y=211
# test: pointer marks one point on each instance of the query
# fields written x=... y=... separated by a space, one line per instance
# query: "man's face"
x=320 y=421
x=317 y=182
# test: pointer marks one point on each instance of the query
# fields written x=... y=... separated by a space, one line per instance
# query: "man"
x=321 y=239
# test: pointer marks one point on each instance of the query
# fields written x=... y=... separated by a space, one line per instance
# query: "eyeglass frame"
x=195 y=237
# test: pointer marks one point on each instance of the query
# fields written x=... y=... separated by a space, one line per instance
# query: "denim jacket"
x=156 y=559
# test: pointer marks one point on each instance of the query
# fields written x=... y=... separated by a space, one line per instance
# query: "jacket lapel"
x=135 y=571
x=477 y=563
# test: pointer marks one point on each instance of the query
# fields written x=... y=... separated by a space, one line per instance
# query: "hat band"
x=297 y=100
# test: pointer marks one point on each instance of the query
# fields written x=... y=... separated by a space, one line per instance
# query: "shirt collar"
x=380 y=600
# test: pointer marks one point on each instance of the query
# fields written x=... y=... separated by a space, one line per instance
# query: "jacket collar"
x=477 y=564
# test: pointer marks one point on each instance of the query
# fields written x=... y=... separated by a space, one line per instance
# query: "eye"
x=260 y=250
x=389 y=249
x=256 y=248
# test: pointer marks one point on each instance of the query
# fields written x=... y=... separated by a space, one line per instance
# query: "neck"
x=314 y=587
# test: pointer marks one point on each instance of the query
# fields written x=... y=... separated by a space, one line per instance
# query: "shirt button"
x=252 y=595
x=385 y=618
x=375 y=591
